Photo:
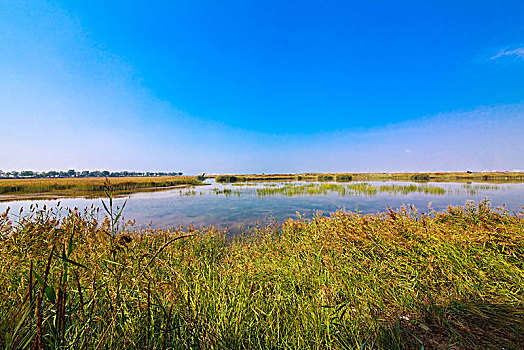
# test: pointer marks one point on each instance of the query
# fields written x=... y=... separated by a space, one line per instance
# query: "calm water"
x=243 y=204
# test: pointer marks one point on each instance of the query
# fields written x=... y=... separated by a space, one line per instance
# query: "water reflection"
x=355 y=189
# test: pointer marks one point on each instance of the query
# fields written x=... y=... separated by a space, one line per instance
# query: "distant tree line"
x=29 y=174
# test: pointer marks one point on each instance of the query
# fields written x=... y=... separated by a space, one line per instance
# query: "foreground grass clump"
x=388 y=281
x=89 y=186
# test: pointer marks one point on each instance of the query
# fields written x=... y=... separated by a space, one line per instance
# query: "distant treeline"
x=29 y=174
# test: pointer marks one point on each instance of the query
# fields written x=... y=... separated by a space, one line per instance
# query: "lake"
x=243 y=204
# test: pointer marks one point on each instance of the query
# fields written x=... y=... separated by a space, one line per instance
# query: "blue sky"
x=244 y=86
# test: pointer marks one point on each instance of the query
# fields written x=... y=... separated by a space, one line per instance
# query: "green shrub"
x=226 y=178
x=344 y=177
x=420 y=177
x=325 y=178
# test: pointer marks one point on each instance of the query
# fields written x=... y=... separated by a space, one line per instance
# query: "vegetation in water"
x=387 y=281
x=405 y=189
x=323 y=189
x=226 y=191
x=354 y=189
x=347 y=189
x=473 y=189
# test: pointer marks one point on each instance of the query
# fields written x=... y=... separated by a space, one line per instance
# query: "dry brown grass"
x=33 y=188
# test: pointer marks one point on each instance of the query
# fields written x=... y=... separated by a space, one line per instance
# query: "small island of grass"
x=50 y=188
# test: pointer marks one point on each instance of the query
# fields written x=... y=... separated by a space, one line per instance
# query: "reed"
x=405 y=189
x=226 y=192
x=354 y=189
x=88 y=186
x=386 y=281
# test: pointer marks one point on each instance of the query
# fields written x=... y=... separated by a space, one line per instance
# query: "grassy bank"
x=442 y=176
x=342 y=177
x=394 y=280
x=87 y=186
x=263 y=177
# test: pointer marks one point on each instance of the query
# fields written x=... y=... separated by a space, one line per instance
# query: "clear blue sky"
x=268 y=86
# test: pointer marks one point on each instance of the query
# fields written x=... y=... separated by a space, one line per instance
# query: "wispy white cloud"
x=518 y=53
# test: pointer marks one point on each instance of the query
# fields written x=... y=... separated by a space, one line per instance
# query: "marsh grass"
x=473 y=189
x=405 y=189
x=226 y=191
x=89 y=186
x=354 y=189
x=263 y=177
x=388 y=281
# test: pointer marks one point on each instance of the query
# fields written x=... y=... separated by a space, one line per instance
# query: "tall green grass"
x=396 y=280
x=405 y=189
x=354 y=189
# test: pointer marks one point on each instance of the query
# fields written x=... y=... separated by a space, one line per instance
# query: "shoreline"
x=90 y=195
x=51 y=189
x=352 y=176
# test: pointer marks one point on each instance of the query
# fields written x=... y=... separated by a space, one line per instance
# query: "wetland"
x=241 y=205
x=277 y=262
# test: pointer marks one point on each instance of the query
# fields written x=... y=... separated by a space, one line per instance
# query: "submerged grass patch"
x=405 y=189
x=226 y=192
x=354 y=189
x=387 y=281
